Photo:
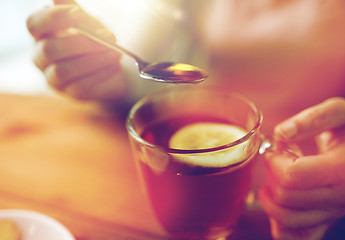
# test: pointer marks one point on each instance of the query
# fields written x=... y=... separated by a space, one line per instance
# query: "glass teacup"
x=197 y=189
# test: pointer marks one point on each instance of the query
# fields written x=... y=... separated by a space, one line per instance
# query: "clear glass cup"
x=190 y=200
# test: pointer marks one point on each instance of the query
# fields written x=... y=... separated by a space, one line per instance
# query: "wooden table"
x=72 y=161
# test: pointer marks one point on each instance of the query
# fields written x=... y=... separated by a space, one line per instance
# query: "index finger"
x=307 y=172
x=53 y=19
x=325 y=116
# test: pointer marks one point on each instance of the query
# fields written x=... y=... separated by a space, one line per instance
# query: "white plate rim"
x=37 y=216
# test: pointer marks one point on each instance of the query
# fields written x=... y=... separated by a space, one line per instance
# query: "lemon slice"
x=209 y=135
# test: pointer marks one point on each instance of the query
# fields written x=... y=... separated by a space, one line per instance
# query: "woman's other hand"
x=305 y=195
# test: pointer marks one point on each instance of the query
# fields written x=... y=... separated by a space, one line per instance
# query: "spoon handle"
x=111 y=45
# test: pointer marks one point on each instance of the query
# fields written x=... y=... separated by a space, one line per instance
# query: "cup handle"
x=270 y=145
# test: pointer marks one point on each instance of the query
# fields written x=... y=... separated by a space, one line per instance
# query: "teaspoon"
x=167 y=72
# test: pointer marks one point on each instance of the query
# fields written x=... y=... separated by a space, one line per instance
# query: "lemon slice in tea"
x=206 y=135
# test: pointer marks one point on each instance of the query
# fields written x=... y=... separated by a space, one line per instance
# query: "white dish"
x=36 y=226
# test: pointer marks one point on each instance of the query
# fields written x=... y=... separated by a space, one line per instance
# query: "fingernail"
x=288 y=130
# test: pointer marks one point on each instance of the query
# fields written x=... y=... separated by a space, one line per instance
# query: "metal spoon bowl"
x=167 y=72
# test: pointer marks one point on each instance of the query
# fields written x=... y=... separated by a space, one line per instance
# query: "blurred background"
x=18 y=73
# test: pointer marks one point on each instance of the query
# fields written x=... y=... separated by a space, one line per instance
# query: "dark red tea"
x=194 y=199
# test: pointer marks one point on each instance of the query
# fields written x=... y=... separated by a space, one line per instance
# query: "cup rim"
x=147 y=98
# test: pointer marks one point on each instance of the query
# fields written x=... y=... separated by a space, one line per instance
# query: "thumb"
x=325 y=116
x=57 y=2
